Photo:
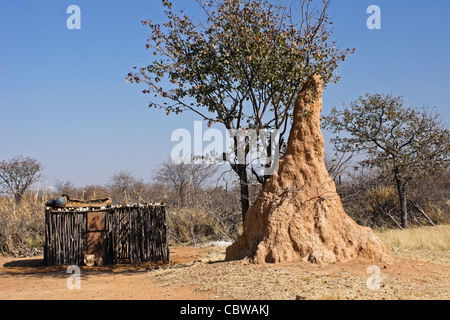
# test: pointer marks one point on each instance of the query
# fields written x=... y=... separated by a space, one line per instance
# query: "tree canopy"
x=247 y=60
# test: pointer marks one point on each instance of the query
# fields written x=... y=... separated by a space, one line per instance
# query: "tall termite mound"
x=298 y=215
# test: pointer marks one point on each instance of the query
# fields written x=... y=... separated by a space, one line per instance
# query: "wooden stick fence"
x=137 y=234
x=65 y=237
x=129 y=233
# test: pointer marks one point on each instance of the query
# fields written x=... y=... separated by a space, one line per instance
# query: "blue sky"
x=65 y=102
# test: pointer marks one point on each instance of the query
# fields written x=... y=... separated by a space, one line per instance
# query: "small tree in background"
x=407 y=141
x=184 y=178
x=126 y=188
x=18 y=174
x=64 y=187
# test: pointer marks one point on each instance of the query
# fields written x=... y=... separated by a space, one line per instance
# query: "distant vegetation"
x=200 y=211
x=370 y=197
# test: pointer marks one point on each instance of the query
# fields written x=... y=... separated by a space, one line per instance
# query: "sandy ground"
x=201 y=273
x=28 y=278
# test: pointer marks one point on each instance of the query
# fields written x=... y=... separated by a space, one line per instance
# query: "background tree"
x=18 y=174
x=126 y=187
x=407 y=141
x=65 y=187
x=241 y=67
x=183 y=178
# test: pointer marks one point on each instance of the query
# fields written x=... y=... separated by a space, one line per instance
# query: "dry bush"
x=188 y=226
x=382 y=202
x=22 y=226
x=372 y=200
x=432 y=195
x=211 y=215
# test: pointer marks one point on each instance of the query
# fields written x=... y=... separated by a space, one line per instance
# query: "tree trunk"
x=401 y=189
x=241 y=171
x=298 y=214
x=18 y=198
x=245 y=194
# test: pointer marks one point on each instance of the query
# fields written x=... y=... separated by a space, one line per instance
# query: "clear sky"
x=65 y=102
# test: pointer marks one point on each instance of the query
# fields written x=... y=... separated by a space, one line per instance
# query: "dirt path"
x=200 y=273
x=27 y=278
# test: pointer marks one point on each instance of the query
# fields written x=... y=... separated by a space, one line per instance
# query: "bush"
x=371 y=200
x=22 y=227
x=207 y=216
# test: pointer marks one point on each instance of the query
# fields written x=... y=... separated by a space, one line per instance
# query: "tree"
x=127 y=187
x=242 y=67
x=183 y=178
x=18 y=174
x=408 y=141
x=65 y=187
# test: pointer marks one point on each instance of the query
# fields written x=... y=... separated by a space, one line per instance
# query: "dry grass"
x=431 y=238
x=425 y=243
x=400 y=278
x=22 y=226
